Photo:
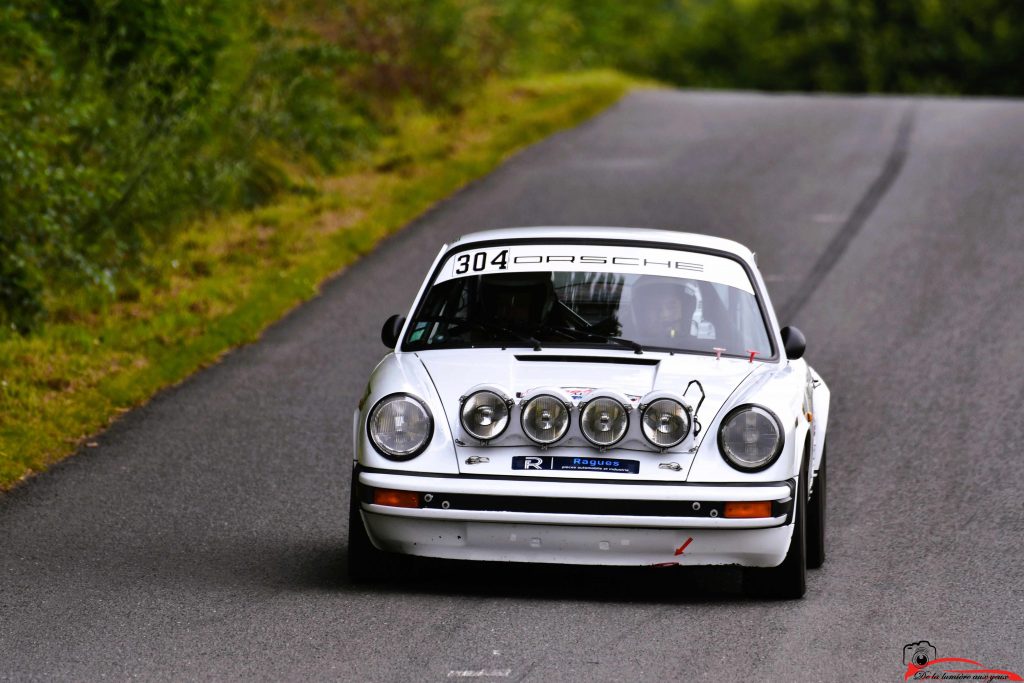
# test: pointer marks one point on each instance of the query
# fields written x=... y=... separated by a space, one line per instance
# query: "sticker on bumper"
x=564 y=463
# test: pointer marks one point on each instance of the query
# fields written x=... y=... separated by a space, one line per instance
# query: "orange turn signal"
x=761 y=508
x=396 y=499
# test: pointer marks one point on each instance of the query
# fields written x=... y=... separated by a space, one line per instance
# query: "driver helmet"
x=663 y=308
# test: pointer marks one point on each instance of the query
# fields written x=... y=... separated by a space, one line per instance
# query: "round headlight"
x=400 y=426
x=665 y=423
x=484 y=415
x=545 y=419
x=604 y=421
x=750 y=437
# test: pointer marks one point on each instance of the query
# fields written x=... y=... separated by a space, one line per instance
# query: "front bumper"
x=574 y=522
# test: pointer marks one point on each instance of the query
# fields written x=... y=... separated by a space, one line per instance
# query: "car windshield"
x=627 y=297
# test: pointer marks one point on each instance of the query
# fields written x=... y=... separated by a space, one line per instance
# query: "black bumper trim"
x=577 y=506
x=574 y=480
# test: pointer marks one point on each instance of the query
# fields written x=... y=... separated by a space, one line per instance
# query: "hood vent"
x=615 y=360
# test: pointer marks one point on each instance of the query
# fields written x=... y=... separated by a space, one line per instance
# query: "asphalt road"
x=205 y=537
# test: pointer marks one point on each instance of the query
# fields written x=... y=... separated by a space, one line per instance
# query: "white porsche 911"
x=606 y=396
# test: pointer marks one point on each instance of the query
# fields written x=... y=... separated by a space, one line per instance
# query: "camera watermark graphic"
x=918 y=654
x=924 y=664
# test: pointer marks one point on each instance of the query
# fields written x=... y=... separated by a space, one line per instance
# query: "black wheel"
x=789 y=579
x=365 y=562
x=816 y=516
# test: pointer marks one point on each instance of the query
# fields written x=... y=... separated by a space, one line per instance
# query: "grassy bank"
x=221 y=282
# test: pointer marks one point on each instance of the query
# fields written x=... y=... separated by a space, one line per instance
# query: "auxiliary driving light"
x=604 y=421
x=545 y=419
x=665 y=422
x=485 y=414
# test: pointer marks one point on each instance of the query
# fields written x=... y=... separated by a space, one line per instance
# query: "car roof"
x=683 y=239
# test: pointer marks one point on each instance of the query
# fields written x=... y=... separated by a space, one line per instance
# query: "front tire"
x=365 y=562
x=788 y=581
x=816 y=517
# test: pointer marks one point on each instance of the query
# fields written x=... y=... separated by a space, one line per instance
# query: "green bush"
x=119 y=119
x=909 y=46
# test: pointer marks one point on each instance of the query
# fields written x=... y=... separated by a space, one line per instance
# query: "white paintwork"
x=441 y=377
x=562 y=544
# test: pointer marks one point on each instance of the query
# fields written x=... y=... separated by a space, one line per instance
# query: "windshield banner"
x=532 y=258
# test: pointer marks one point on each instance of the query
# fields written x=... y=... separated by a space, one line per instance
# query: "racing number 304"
x=477 y=262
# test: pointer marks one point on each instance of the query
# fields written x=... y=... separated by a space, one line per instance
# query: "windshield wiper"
x=485 y=325
x=570 y=331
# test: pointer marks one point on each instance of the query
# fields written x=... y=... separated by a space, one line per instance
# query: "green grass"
x=223 y=280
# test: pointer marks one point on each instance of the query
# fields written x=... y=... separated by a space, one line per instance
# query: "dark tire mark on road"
x=858 y=217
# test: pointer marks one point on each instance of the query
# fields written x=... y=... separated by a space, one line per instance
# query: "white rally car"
x=603 y=396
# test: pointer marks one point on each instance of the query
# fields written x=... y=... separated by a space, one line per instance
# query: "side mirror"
x=794 y=342
x=392 y=328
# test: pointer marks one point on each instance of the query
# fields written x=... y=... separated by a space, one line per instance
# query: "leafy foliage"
x=119 y=119
x=122 y=119
x=911 y=46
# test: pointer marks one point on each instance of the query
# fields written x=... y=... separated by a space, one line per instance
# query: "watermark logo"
x=918 y=654
x=924 y=664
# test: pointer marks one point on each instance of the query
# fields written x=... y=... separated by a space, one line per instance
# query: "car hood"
x=453 y=372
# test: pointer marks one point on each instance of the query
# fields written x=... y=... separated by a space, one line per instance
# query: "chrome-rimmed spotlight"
x=750 y=438
x=400 y=426
x=485 y=412
x=545 y=418
x=664 y=421
x=604 y=419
